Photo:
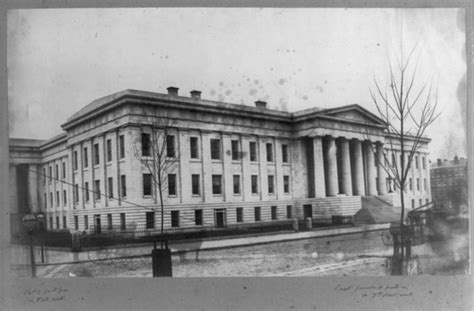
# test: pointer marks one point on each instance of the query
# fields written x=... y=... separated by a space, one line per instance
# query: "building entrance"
x=220 y=218
x=307 y=211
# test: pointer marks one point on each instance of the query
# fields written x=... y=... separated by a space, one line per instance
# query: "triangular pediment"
x=353 y=113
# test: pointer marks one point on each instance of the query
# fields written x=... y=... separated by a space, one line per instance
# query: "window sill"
x=196 y=195
x=194 y=160
x=173 y=196
x=217 y=195
x=236 y=161
x=237 y=194
x=121 y=160
x=216 y=160
x=147 y=196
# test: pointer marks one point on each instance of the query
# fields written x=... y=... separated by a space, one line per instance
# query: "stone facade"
x=271 y=164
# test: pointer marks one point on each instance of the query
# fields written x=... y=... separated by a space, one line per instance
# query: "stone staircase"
x=376 y=210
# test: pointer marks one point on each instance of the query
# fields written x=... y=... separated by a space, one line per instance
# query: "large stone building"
x=232 y=164
x=449 y=184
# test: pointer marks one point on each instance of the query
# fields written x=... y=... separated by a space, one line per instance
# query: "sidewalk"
x=20 y=254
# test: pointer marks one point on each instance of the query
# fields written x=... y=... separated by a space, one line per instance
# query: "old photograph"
x=237 y=142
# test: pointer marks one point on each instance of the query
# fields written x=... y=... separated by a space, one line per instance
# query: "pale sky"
x=59 y=60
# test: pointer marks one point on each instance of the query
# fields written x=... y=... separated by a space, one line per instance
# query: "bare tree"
x=158 y=154
x=408 y=111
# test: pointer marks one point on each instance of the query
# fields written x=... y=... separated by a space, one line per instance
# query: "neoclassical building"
x=228 y=165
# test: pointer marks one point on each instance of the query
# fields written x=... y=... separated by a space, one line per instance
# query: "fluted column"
x=331 y=161
x=319 y=179
x=381 y=174
x=359 y=187
x=369 y=155
x=346 y=167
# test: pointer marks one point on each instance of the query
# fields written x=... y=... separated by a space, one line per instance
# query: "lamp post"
x=41 y=219
x=29 y=221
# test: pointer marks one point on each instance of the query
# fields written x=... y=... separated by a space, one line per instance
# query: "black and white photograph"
x=195 y=142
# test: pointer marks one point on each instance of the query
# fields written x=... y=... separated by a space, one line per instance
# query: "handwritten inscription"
x=374 y=291
x=53 y=294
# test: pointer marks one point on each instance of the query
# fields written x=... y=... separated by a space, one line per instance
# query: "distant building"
x=236 y=165
x=449 y=184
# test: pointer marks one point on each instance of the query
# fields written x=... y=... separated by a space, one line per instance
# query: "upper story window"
x=271 y=185
x=50 y=174
x=235 y=150
x=96 y=154
x=86 y=158
x=147 y=184
x=195 y=184
x=123 y=185
x=145 y=144
x=74 y=160
x=122 y=146
x=109 y=150
x=216 y=184
x=254 y=182
x=171 y=184
x=423 y=162
x=286 y=184
x=56 y=172
x=170 y=146
x=97 y=190
x=416 y=162
x=44 y=175
x=253 y=151
x=194 y=147
x=284 y=153
x=236 y=184
x=269 y=152
x=215 y=149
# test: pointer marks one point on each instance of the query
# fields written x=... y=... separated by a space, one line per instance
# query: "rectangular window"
x=96 y=154
x=76 y=223
x=416 y=162
x=269 y=152
x=122 y=146
x=57 y=198
x=44 y=175
x=253 y=151
x=195 y=184
x=423 y=162
x=171 y=184
x=109 y=150
x=257 y=213
x=240 y=214
x=418 y=184
x=198 y=217
x=425 y=185
x=64 y=222
x=215 y=149
x=174 y=218
x=57 y=222
x=274 y=213
x=289 y=213
x=86 y=158
x=56 y=172
x=51 y=222
x=64 y=170
x=74 y=160
x=111 y=187
x=147 y=184
x=76 y=193
x=236 y=184
x=97 y=190
x=50 y=174
x=170 y=149
x=420 y=201
x=64 y=197
x=123 y=185
x=216 y=184
x=145 y=144
x=45 y=201
x=254 y=181
x=122 y=221
x=86 y=185
x=410 y=184
x=412 y=203
x=394 y=162
x=194 y=147
x=51 y=199
x=150 y=220
x=286 y=184
x=271 y=186
x=284 y=153
x=235 y=150
x=86 y=222
x=109 y=221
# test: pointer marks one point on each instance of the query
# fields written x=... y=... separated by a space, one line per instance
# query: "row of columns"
x=355 y=179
